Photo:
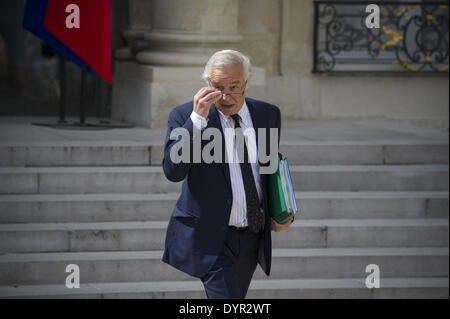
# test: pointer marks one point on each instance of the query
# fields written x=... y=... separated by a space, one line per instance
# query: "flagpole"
x=62 y=93
x=82 y=93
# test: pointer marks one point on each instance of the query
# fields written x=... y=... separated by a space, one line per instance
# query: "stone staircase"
x=105 y=207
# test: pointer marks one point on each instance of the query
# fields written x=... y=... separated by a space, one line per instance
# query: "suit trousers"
x=230 y=276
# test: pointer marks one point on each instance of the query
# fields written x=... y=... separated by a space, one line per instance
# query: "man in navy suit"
x=220 y=227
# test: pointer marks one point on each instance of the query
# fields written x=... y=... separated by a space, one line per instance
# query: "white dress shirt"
x=238 y=216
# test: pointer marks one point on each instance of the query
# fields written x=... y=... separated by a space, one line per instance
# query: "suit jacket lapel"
x=255 y=117
x=258 y=122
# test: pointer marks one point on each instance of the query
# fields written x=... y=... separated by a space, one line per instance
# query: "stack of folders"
x=281 y=197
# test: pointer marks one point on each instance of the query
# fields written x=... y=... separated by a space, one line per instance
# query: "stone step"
x=122 y=266
x=364 y=233
x=134 y=153
x=85 y=180
x=375 y=178
x=69 y=153
x=365 y=152
x=70 y=180
x=332 y=233
x=63 y=208
x=268 y=289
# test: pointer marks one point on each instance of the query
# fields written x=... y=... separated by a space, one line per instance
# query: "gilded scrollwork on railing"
x=395 y=38
x=413 y=37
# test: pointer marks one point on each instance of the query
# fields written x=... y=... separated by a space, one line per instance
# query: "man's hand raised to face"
x=204 y=98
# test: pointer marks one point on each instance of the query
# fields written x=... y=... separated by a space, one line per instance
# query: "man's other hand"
x=280 y=227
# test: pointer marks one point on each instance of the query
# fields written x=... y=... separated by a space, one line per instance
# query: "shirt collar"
x=243 y=113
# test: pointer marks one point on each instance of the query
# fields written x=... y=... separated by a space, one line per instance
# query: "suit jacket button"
x=229 y=201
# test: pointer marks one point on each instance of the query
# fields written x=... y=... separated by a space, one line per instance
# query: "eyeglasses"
x=235 y=92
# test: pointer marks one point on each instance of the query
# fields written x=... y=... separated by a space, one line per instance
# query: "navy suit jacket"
x=198 y=225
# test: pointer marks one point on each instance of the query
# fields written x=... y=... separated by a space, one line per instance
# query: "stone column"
x=129 y=96
x=187 y=32
x=140 y=24
x=181 y=37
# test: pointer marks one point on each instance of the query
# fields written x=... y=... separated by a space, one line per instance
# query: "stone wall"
x=278 y=37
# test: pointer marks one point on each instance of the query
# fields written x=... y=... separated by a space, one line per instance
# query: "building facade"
x=169 y=42
x=161 y=46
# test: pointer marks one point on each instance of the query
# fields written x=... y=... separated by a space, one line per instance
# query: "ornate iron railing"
x=412 y=38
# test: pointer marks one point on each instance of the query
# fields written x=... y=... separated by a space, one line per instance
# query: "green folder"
x=281 y=197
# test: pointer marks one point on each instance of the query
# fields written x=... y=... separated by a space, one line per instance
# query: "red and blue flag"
x=89 y=42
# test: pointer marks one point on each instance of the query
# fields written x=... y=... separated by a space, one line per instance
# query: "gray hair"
x=227 y=57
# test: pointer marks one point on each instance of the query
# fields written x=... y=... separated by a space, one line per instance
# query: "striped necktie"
x=254 y=215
